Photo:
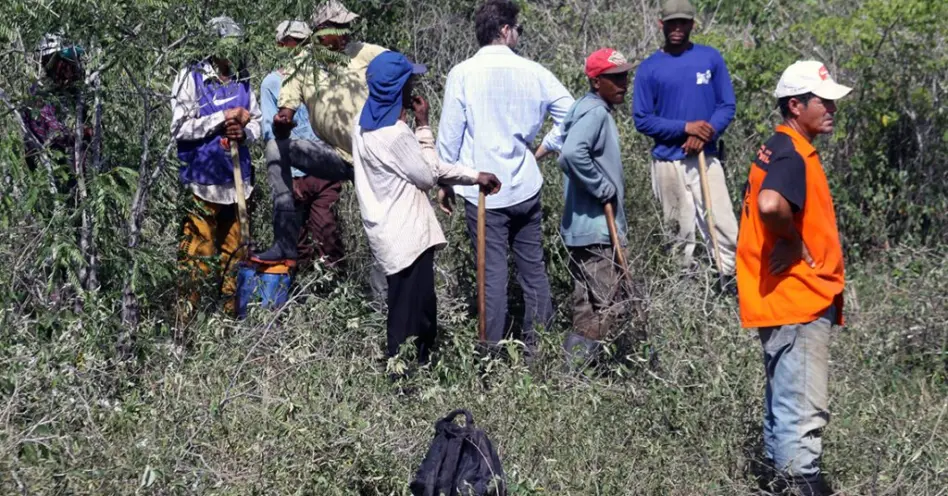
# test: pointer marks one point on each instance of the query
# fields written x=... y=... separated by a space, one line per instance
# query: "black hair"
x=491 y=17
x=784 y=103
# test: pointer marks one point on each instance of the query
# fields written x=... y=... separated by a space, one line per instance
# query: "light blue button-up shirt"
x=494 y=105
x=269 y=96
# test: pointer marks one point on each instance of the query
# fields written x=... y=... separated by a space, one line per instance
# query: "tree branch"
x=31 y=140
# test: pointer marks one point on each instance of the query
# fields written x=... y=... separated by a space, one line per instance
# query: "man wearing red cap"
x=592 y=164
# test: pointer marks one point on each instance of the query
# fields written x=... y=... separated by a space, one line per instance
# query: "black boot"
x=580 y=351
x=813 y=485
x=286 y=233
x=763 y=472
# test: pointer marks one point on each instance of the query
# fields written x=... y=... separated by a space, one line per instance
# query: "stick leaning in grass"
x=241 y=202
x=616 y=242
x=706 y=193
x=481 y=259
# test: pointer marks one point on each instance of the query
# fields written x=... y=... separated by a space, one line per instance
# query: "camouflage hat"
x=50 y=44
x=225 y=27
x=332 y=11
x=53 y=44
x=293 y=29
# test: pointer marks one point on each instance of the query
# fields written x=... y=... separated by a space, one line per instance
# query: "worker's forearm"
x=780 y=224
x=541 y=153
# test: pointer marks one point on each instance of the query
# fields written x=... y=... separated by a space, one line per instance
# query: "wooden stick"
x=241 y=201
x=481 y=271
x=616 y=242
x=706 y=192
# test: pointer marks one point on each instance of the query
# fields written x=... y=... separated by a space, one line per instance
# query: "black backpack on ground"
x=460 y=462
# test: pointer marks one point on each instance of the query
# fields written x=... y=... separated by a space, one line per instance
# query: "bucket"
x=267 y=285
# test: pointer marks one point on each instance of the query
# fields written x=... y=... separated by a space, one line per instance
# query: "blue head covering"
x=386 y=76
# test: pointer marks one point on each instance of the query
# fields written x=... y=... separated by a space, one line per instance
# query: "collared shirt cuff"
x=553 y=140
x=425 y=135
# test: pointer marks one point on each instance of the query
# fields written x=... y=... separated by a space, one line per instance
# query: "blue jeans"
x=796 y=358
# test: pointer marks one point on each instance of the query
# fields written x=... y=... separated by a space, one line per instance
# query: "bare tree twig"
x=88 y=274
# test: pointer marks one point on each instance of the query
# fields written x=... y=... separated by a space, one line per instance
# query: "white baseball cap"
x=50 y=44
x=809 y=76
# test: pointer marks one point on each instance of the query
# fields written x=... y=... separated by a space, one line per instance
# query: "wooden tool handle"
x=616 y=242
x=709 y=215
x=241 y=200
x=481 y=260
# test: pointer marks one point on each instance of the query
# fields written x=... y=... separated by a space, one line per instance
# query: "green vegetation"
x=298 y=402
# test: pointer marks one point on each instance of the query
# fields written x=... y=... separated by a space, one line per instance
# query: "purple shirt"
x=42 y=120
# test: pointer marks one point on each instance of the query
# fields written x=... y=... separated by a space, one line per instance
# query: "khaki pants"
x=677 y=185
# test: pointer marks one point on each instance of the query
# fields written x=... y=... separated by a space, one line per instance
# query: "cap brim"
x=830 y=90
x=619 y=69
x=669 y=17
x=296 y=35
x=418 y=68
x=342 y=18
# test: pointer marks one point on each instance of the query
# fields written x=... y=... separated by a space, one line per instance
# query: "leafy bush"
x=298 y=402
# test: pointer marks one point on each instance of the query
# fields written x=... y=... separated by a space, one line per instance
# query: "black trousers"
x=412 y=306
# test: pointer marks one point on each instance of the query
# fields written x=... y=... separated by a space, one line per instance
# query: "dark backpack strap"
x=432 y=466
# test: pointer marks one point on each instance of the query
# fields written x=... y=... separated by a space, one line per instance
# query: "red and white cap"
x=606 y=61
x=809 y=76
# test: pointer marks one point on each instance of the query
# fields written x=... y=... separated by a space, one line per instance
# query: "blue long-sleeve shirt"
x=269 y=96
x=671 y=90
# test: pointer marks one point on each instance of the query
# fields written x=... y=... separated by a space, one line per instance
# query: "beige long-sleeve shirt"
x=394 y=169
x=188 y=124
x=334 y=96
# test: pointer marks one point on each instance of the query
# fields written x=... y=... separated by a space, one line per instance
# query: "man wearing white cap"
x=333 y=97
x=790 y=275
x=314 y=196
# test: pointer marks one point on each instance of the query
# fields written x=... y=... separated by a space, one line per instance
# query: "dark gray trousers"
x=516 y=228
x=315 y=158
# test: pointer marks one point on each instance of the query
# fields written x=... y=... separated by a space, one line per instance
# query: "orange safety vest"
x=801 y=294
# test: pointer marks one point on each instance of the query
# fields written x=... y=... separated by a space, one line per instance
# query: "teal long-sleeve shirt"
x=591 y=161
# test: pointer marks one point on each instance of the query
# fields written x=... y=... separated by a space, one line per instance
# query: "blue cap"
x=386 y=76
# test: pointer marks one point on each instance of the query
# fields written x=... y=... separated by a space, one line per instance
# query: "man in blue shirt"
x=494 y=105
x=683 y=99
x=314 y=197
